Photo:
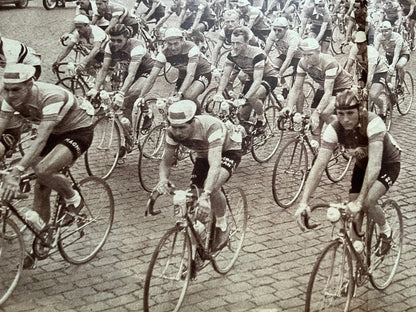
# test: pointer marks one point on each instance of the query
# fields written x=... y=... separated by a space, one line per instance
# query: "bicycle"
x=184 y=249
x=112 y=140
x=77 y=83
x=334 y=278
x=291 y=168
x=78 y=241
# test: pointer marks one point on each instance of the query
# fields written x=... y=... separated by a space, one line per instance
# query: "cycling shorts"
x=157 y=14
x=377 y=78
x=230 y=161
x=320 y=93
x=78 y=141
x=389 y=57
x=387 y=176
x=205 y=79
x=189 y=21
x=268 y=82
x=294 y=62
x=327 y=37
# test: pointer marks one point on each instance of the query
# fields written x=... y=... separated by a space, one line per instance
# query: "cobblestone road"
x=273 y=269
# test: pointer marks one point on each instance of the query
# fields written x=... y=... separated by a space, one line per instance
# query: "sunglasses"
x=278 y=30
x=116 y=40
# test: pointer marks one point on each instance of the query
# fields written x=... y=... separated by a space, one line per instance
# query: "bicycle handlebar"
x=340 y=207
x=152 y=200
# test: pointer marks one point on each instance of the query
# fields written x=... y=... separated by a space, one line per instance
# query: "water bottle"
x=125 y=122
x=33 y=218
x=201 y=230
x=333 y=214
x=297 y=122
x=179 y=203
x=225 y=109
x=358 y=246
x=315 y=145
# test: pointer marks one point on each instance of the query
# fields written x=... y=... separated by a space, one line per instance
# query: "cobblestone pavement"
x=273 y=269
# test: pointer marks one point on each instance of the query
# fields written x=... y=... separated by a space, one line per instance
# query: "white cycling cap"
x=280 y=22
x=309 y=44
x=181 y=112
x=385 y=25
x=16 y=73
x=81 y=19
x=242 y=3
x=360 y=37
x=173 y=33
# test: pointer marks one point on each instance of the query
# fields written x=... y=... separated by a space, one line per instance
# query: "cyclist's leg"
x=400 y=65
x=198 y=86
x=132 y=94
x=374 y=94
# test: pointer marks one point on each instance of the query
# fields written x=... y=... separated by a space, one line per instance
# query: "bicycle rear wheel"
x=150 y=157
x=289 y=173
x=309 y=94
x=382 y=268
x=338 y=165
x=405 y=100
x=12 y=254
x=169 y=272
x=236 y=214
x=102 y=156
x=266 y=144
x=331 y=284
x=81 y=240
x=388 y=116
x=338 y=40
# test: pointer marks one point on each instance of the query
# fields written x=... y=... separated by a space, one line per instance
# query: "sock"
x=74 y=200
x=221 y=223
x=386 y=229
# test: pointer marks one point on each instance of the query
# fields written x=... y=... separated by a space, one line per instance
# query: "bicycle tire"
x=405 y=101
x=219 y=63
x=338 y=165
x=11 y=257
x=80 y=241
x=383 y=268
x=208 y=105
x=343 y=285
x=265 y=145
x=73 y=84
x=170 y=73
x=337 y=40
x=49 y=4
x=171 y=262
x=237 y=215
x=150 y=157
x=289 y=173
x=309 y=94
x=389 y=109
x=102 y=156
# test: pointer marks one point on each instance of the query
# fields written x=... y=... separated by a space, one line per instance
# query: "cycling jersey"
x=391 y=10
x=290 y=41
x=13 y=51
x=356 y=141
x=96 y=35
x=119 y=11
x=260 y=21
x=247 y=60
x=370 y=57
x=328 y=68
x=49 y=102
x=390 y=44
x=209 y=132
x=189 y=54
x=133 y=51
x=317 y=19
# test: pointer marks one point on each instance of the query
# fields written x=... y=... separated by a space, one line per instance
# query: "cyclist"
x=89 y=9
x=397 y=50
x=218 y=148
x=325 y=70
x=134 y=64
x=377 y=162
x=116 y=14
x=262 y=76
x=194 y=69
x=287 y=43
x=374 y=69
x=254 y=19
x=196 y=15
x=90 y=36
x=155 y=9
x=65 y=132
x=391 y=12
x=409 y=11
x=319 y=17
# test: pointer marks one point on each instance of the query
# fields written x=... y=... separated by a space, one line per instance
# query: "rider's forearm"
x=216 y=52
x=90 y=56
x=324 y=102
x=128 y=82
x=253 y=89
x=63 y=55
x=313 y=181
x=197 y=19
x=100 y=78
x=189 y=78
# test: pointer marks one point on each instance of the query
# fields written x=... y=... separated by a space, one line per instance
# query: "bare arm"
x=214 y=160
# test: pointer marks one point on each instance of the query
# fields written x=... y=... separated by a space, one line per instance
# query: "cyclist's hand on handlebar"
x=285 y=112
x=92 y=93
x=80 y=68
x=203 y=208
x=10 y=185
x=163 y=187
x=302 y=210
x=119 y=99
x=391 y=70
x=354 y=207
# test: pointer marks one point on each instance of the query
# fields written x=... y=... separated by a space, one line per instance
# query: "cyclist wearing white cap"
x=65 y=132
x=396 y=48
x=218 y=150
x=373 y=69
x=325 y=70
x=194 y=69
x=91 y=37
x=254 y=19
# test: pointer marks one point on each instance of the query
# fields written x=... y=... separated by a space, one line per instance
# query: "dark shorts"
x=377 y=78
x=390 y=57
x=230 y=161
x=294 y=62
x=157 y=14
x=388 y=175
x=77 y=141
x=268 y=82
x=320 y=93
x=189 y=21
x=205 y=79
x=327 y=37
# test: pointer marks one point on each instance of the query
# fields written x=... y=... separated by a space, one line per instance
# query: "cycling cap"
x=81 y=19
x=360 y=37
x=319 y=1
x=345 y=100
x=309 y=44
x=173 y=33
x=280 y=22
x=181 y=112
x=242 y=3
x=385 y=25
x=16 y=73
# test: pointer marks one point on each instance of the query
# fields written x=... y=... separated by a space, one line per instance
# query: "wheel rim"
x=405 y=101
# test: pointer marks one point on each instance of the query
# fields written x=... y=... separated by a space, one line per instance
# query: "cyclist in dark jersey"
x=116 y=13
x=377 y=164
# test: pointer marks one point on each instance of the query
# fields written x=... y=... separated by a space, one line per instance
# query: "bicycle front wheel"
x=331 y=284
x=236 y=214
x=74 y=85
x=150 y=157
x=169 y=272
x=338 y=40
x=383 y=267
x=338 y=165
x=289 y=173
x=102 y=156
x=12 y=254
x=81 y=240
x=266 y=144
x=405 y=100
